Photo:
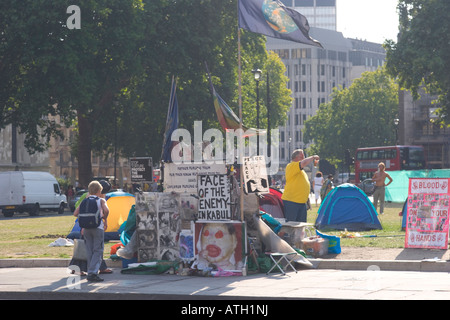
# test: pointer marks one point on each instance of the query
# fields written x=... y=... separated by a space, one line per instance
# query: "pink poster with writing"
x=427 y=221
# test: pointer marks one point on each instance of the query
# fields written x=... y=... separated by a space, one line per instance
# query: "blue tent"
x=404 y=214
x=347 y=207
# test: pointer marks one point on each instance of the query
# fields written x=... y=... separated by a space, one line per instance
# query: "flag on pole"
x=171 y=124
x=274 y=19
x=227 y=118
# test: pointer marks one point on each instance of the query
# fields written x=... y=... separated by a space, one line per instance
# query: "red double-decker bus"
x=394 y=157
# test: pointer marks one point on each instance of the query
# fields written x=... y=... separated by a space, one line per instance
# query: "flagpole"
x=241 y=171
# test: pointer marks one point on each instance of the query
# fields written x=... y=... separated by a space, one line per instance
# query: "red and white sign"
x=427 y=223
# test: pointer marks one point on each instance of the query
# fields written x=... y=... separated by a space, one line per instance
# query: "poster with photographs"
x=157 y=226
x=427 y=223
x=169 y=225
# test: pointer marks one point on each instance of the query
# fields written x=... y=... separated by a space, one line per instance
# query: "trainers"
x=94 y=278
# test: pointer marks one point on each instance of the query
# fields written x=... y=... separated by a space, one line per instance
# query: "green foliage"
x=420 y=57
x=360 y=116
x=112 y=76
x=279 y=95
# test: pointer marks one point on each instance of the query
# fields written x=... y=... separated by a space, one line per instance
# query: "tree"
x=279 y=95
x=112 y=75
x=73 y=73
x=191 y=34
x=420 y=58
x=360 y=116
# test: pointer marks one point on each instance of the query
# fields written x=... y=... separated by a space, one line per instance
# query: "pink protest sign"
x=427 y=221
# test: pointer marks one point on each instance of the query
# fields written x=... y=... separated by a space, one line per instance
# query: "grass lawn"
x=391 y=236
x=23 y=236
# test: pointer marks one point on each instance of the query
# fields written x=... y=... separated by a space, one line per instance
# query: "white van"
x=30 y=191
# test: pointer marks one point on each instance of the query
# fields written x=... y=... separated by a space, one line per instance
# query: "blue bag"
x=334 y=243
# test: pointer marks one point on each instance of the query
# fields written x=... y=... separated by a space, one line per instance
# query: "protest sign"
x=255 y=175
x=141 y=169
x=427 y=221
x=213 y=197
x=183 y=177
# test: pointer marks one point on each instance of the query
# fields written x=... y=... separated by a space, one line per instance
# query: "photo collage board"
x=158 y=225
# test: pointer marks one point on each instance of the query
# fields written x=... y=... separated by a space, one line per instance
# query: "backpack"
x=89 y=216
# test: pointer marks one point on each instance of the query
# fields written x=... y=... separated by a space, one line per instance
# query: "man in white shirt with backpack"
x=93 y=221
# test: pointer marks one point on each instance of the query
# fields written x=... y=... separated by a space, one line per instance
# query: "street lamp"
x=289 y=149
x=257 y=74
x=396 y=122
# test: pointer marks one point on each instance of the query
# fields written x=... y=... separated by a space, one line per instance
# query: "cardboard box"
x=315 y=246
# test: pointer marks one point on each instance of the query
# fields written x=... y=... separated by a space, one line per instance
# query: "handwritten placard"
x=427 y=221
x=214 y=197
x=255 y=175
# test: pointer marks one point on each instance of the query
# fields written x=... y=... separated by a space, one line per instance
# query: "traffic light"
x=348 y=159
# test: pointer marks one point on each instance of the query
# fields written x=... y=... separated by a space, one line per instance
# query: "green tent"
x=397 y=191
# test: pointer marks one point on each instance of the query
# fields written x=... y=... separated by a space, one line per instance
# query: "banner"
x=183 y=177
x=427 y=221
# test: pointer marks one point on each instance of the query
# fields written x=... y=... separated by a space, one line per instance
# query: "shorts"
x=294 y=211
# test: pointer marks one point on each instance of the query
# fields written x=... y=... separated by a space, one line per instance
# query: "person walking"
x=81 y=265
x=317 y=185
x=380 y=186
x=297 y=189
x=95 y=237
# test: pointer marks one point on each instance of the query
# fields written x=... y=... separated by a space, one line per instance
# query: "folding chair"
x=277 y=258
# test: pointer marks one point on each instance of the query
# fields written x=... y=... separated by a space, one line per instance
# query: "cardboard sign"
x=255 y=175
x=214 y=197
x=183 y=177
x=427 y=221
x=141 y=169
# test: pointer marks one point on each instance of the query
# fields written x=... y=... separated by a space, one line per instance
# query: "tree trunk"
x=84 y=150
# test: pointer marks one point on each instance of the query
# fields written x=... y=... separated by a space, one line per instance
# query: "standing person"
x=296 y=191
x=95 y=237
x=380 y=191
x=326 y=187
x=317 y=185
x=70 y=193
x=82 y=264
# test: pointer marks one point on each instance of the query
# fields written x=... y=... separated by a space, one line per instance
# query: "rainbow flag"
x=227 y=118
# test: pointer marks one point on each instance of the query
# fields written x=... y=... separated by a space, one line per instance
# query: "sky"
x=371 y=20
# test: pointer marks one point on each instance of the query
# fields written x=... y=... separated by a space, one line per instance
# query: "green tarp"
x=397 y=191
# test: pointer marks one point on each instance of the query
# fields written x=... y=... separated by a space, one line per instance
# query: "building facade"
x=313 y=74
x=59 y=159
x=417 y=126
x=320 y=13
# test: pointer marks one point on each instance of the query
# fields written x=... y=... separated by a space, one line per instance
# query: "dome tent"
x=347 y=207
x=119 y=204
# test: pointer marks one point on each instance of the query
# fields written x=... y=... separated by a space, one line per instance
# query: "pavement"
x=38 y=279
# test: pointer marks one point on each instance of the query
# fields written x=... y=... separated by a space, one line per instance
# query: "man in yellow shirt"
x=297 y=189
